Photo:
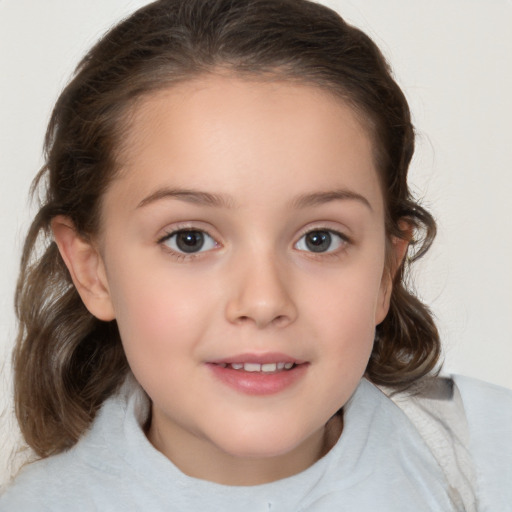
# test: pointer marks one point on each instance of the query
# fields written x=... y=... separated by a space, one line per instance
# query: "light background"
x=454 y=60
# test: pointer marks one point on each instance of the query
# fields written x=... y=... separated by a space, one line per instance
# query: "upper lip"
x=263 y=358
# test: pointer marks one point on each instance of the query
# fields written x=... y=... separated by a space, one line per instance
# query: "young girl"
x=213 y=287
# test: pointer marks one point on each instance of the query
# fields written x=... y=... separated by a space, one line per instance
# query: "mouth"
x=259 y=367
x=259 y=374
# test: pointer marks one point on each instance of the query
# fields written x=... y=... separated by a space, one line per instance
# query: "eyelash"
x=183 y=255
x=344 y=241
x=180 y=255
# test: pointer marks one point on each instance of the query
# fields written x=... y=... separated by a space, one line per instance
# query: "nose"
x=260 y=294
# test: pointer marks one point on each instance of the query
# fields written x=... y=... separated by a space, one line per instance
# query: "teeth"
x=256 y=367
x=252 y=367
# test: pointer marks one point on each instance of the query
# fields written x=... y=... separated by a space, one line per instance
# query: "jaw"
x=245 y=462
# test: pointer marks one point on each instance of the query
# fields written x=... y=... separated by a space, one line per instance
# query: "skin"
x=267 y=152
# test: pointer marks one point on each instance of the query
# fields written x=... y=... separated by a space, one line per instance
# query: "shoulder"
x=39 y=486
x=100 y=472
x=467 y=425
x=382 y=461
x=488 y=410
x=62 y=482
x=485 y=403
x=74 y=479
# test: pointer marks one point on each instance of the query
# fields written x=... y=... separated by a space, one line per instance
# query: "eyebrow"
x=223 y=201
x=319 y=198
x=189 y=196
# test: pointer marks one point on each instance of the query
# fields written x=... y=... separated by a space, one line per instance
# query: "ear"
x=86 y=267
x=397 y=251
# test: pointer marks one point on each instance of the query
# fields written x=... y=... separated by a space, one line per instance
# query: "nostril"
x=276 y=321
x=280 y=320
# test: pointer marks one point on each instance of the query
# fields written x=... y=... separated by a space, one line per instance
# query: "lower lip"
x=259 y=383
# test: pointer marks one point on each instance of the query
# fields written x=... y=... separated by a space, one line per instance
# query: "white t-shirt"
x=397 y=453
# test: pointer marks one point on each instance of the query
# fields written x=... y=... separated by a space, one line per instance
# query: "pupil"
x=318 y=241
x=190 y=241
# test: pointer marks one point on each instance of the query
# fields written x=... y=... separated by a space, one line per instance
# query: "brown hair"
x=66 y=361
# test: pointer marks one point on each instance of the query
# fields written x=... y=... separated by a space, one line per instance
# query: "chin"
x=265 y=445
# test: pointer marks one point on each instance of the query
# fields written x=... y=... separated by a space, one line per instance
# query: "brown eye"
x=189 y=241
x=320 y=240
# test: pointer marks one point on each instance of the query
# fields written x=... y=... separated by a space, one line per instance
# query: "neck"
x=206 y=462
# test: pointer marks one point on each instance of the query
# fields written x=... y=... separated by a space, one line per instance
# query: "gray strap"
x=435 y=408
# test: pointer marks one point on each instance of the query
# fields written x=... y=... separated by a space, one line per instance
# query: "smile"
x=257 y=367
x=263 y=374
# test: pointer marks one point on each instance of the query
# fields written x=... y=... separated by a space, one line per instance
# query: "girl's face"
x=243 y=236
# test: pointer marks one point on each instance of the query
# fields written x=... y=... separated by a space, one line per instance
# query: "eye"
x=188 y=241
x=321 y=240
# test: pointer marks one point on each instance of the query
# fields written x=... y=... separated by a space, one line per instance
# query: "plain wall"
x=453 y=59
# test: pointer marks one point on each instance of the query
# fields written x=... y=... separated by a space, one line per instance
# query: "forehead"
x=224 y=88
x=233 y=132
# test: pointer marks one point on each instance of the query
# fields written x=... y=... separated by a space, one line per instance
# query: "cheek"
x=344 y=311
x=157 y=313
x=349 y=296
